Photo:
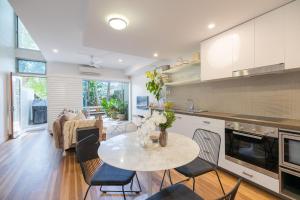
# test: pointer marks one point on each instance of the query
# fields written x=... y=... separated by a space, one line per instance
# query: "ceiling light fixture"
x=117 y=22
x=155 y=54
x=120 y=60
x=55 y=50
x=211 y=26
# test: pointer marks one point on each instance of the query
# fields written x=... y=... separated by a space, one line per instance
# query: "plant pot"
x=114 y=115
x=121 y=116
x=163 y=138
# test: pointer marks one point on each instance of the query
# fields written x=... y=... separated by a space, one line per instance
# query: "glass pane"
x=114 y=93
x=25 y=41
x=291 y=151
x=32 y=67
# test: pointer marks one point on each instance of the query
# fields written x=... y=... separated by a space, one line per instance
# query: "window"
x=111 y=96
x=24 y=40
x=31 y=66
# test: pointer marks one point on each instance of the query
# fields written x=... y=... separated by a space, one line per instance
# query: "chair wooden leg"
x=194 y=184
x=169 y=173
x=220 y=181
x=162 y=181
x=123 y=192
x=86 y=192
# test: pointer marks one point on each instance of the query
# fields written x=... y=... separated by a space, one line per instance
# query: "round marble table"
x=125 y=152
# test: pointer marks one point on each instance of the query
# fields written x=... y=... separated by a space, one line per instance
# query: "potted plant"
x=166 y=118
x=110 y=107
x=122 y=110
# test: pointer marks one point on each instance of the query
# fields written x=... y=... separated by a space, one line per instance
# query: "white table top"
x=125 y=152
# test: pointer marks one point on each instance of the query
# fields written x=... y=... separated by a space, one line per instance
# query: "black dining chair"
x=182 y=192
x=207 y=161
x=97 y=173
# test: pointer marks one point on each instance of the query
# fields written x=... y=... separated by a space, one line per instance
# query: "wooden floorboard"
x=32 y=168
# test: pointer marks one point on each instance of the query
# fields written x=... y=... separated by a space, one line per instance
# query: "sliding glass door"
x=111 y=97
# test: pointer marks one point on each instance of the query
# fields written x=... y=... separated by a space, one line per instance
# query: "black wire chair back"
x=209 y=144
x=86 y=152
x=231 y=195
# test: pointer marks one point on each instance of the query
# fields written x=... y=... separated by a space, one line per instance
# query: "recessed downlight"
x=117 y=22
x=55 y=50
x=211 y=26
x=155 y=55
x=120 y=60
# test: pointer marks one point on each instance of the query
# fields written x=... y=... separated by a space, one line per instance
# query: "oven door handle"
x=247 y=135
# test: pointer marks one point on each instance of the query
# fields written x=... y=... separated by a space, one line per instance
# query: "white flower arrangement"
x=149 y=123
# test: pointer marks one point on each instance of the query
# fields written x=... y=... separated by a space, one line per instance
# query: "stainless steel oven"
x=253 y=146
x=290 y=149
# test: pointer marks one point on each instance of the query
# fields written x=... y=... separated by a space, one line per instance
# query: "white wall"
x=29 y=54
x=7 y=63
x=67 y=69
x=138 y=88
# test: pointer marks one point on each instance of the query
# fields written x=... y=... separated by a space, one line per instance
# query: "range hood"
x=259 y=70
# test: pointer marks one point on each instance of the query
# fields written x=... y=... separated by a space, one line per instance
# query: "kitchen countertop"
x=283 y=123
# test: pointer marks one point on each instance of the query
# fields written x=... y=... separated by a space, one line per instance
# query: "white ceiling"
x=170 y=27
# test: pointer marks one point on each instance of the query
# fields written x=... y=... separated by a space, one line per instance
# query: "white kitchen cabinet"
x=185 y=124
x=269 y=38
x=216 y=55
x=292 y=35
x=243 y=46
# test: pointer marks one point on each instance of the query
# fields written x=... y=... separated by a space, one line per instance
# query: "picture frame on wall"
x=142 y=102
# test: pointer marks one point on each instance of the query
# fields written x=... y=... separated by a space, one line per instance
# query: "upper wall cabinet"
x=216 y=54
x=269 y=38
x=243 y=46
x=292 y=35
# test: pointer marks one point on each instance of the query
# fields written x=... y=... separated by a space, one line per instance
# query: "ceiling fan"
x=92 y=63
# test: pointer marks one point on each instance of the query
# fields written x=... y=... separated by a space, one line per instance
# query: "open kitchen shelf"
x=183 y=82
x=179 y=68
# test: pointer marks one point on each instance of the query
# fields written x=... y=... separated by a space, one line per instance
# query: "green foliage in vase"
x=170 y=116
x=155 y=83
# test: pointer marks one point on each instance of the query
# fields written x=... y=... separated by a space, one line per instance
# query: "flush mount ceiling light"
x=211 y=26
x=120 y=60
x=155 y=54
x=55 y=50
x=117 y=22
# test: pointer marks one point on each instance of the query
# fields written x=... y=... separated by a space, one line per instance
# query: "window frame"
x=17 y=37
x=108 y=81
x=32 y=60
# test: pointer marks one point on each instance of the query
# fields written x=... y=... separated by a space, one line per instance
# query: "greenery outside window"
x=24 y=39
x=31 y=67
x=110 y=96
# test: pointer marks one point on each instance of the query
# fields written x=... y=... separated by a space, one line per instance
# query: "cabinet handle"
x=177 y=117
x=206 y=122
x=247 y=174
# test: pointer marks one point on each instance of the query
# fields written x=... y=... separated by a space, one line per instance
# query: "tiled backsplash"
x=276 y=95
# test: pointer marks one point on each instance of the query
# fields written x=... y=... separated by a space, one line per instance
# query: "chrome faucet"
x=191 y=106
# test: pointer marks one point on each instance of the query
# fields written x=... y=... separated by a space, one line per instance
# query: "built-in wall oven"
x=253 y=146
x=289 y=163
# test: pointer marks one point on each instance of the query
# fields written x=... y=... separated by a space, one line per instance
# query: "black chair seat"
x=195 y=168
x=176 y=192
x=109 y=175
